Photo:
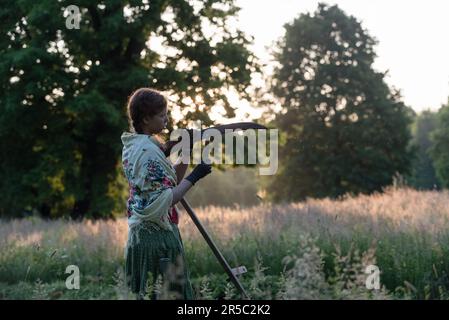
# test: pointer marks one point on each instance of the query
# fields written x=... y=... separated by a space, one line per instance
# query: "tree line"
x=63 y=94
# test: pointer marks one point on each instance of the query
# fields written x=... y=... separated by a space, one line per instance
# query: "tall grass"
x=310 y=250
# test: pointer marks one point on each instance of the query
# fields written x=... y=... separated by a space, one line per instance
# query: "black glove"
x=199 y=172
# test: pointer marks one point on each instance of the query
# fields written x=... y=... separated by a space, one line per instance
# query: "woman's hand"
x=169 y=145
x=199 y=172
x=187 y=145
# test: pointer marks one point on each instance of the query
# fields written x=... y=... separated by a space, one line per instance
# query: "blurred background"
x=358 y=91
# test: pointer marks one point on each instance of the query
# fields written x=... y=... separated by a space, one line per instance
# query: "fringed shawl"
x=151 y=178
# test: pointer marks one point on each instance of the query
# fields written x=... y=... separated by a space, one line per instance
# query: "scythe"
x=232 y=273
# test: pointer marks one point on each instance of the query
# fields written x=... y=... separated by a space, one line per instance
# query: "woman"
x=154 y=242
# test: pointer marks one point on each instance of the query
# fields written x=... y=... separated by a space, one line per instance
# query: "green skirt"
x=153 y=254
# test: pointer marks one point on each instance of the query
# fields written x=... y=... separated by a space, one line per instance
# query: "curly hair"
x=143 y=103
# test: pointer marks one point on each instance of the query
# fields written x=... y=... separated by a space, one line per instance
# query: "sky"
x=413 y=39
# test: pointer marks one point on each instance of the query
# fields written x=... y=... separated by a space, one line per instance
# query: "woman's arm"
x=180 y=190
x=183 y=185
x=199 y=172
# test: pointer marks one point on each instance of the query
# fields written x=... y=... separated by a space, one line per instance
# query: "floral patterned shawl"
x=151 y=178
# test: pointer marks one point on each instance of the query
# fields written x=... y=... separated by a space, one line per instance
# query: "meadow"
x=316 y=249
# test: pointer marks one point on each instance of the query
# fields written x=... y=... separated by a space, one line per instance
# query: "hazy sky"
x=413 y=39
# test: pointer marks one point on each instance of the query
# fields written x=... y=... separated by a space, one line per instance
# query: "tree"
x=423 y=171
x=440 y=148
x=63 y=91
x=344 y=129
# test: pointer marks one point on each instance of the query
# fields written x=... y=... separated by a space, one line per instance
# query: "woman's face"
x=157 y=123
